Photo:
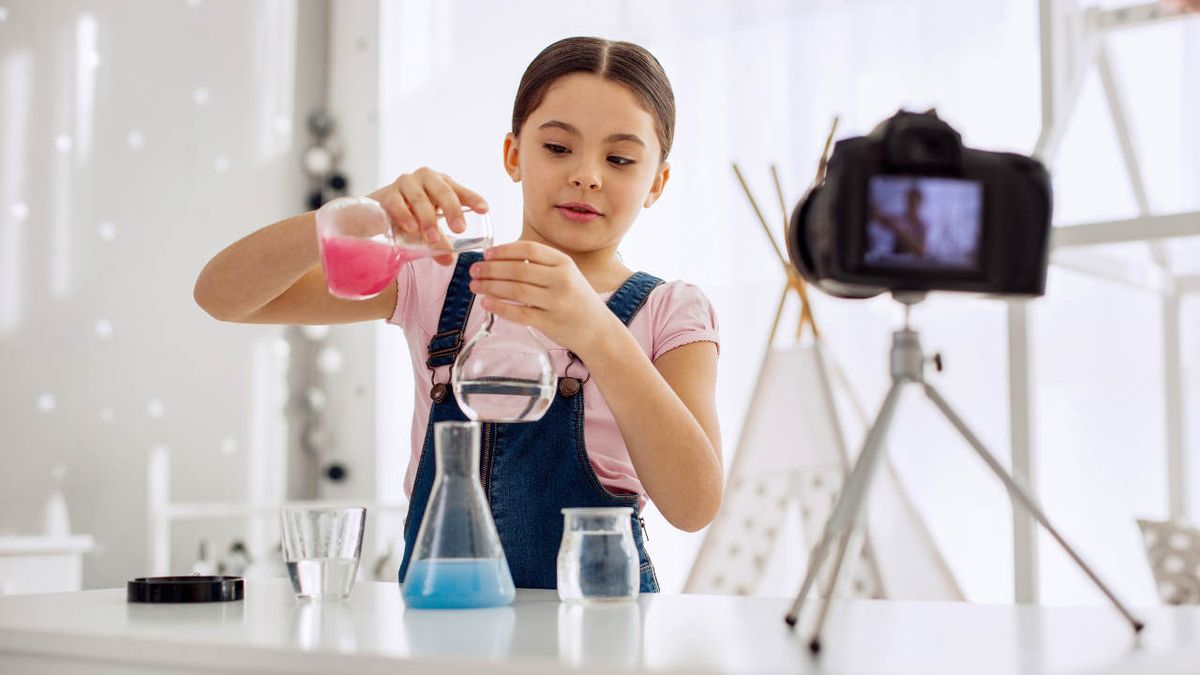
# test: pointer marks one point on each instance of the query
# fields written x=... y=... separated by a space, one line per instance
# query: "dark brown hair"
x=623 y=62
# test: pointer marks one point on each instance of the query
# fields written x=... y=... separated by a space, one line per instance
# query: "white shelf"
x=44 y=545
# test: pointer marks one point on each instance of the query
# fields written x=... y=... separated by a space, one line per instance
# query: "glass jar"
x=598 y=561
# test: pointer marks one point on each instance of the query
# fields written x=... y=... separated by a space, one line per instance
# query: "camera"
x=909 y=208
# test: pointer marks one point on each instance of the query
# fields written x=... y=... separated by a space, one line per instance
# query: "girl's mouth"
x=577 y=215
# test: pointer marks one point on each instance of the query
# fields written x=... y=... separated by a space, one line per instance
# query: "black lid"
x=185 y=589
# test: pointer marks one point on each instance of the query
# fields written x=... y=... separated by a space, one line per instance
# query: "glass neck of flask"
x=456 y=446
x=492 y=325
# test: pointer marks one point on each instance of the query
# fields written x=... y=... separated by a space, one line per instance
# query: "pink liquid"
x=358 y=268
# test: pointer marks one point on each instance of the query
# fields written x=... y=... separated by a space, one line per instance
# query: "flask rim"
x=317 y=509
x=597 y=510
x=450 y=424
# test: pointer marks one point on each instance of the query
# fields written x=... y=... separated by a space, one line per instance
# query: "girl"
x=635 y=414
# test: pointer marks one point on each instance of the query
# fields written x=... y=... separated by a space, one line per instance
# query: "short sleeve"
x=404 y=293
x=682 y=315
x=420 y=291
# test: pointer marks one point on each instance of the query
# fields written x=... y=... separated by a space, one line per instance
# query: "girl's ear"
x=660 y=182
x=512 y=164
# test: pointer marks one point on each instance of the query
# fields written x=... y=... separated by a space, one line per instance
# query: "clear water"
x=597 y=566
x=323 y=577
x=503 y=400
x=458 y=583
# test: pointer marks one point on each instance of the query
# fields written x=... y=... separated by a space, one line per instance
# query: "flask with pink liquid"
x=361 y=252
x=504 y=373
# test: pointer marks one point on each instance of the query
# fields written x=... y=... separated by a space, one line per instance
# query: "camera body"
x=909 y=208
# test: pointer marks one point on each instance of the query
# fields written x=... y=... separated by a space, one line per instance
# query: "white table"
x=271 y=632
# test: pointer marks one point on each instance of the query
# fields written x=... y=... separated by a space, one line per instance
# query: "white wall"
x=214 y=93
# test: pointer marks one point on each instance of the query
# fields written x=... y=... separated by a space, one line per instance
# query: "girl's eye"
x=556 y=149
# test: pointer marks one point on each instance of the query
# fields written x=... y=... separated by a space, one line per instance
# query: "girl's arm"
x=274 y=275
x=666 y=411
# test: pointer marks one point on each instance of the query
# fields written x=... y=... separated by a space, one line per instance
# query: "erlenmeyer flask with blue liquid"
x=457 y=561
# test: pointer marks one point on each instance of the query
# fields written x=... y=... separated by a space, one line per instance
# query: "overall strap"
x=444 y=345
x=629 y=298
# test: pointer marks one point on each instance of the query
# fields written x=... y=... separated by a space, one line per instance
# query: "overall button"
x=568 y=386
x=438 y=392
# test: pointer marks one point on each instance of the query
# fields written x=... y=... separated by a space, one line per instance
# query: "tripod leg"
x=854 y=490
x=1018 y=491
x=847 y=557
x=838 y=564
x=815 y=561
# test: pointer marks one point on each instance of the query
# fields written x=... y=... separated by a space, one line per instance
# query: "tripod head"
x=907 y=358
x=909 y=299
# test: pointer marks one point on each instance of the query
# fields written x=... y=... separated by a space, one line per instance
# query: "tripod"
x=907 y=367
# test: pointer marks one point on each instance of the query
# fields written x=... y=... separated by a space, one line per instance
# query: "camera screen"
x=924 y=223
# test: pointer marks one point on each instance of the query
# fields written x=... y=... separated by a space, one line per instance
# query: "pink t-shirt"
x=675 y=314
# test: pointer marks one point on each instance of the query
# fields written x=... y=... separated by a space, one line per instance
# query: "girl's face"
x=589 y=142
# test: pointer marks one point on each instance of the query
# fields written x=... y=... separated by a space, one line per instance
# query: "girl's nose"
x=586 y=178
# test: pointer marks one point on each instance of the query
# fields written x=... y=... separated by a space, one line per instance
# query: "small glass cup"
x=598 y=561
x=322 y=547
x=361 y=251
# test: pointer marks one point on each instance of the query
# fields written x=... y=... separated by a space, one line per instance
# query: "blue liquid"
x=458 y=583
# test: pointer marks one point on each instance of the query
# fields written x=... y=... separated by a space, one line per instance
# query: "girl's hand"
x=553 y=295
x=413 y=200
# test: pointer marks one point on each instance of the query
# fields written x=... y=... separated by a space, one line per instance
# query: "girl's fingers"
x=397 y=211
x=513 y=270
x=444 y=198
x=420 y=205
x=469 y=197
x=525 y=250
x=520 y=314
x=414 y=200
x=526 y=294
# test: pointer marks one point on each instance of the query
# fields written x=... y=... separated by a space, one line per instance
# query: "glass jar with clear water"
x=598 y=560
x=322 y=547
x=457 y=560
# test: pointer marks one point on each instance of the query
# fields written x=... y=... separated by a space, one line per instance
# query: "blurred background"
x=140 y=137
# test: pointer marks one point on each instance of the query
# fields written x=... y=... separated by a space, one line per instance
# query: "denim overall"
x=529 y=470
